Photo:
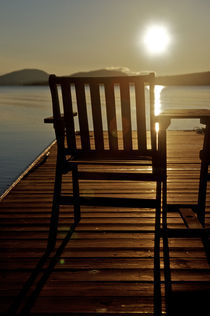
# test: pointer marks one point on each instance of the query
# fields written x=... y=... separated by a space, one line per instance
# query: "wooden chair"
x=108 y=144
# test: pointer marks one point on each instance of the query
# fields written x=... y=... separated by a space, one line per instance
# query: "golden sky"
x=68 y=36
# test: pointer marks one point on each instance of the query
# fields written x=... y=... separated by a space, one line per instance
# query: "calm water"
x=23 y=135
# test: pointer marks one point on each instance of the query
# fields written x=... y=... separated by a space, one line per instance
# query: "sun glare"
x=158 y=90
x=156 y=39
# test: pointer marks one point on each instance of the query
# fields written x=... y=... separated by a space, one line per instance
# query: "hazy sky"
x=66 y=36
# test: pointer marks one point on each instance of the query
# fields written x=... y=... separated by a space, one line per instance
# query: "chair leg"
x=76 y=193
x=206 y=244
x=157 y=281
x=202 y=192
x=55 y=206
x=166 y=254
x=167 y=272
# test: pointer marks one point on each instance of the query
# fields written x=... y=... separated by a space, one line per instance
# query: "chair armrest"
x=50 y=120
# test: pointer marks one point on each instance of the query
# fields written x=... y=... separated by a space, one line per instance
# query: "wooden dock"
x=107 y=266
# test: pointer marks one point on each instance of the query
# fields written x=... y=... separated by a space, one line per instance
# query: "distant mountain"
x=202 y=78
x=24 y=77
x=100 y=73
x=40 y=77
x=193 y=79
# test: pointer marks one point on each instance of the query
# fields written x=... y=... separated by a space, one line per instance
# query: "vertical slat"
x=152 y=114
x=111 y=115
x=68 y=116
x=140 y=114
x=82 y=112
x=57 y=122
x=55 y=99
x=126 y=114
x=97 y=119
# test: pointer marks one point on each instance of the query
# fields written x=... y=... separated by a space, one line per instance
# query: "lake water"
x=23 y=135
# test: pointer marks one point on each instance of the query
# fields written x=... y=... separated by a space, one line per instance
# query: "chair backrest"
x=107 y=107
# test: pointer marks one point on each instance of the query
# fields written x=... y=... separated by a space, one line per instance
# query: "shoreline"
x=41 y=158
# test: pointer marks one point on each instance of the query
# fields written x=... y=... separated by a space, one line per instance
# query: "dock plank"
x=107 y=266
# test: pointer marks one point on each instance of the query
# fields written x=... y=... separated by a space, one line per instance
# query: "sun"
x=156 y=39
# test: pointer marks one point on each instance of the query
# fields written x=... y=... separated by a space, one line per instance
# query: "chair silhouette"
x=103 y=134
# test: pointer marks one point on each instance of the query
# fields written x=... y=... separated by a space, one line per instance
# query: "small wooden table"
x=193 y=215
x=164 y=120
x=166 y=116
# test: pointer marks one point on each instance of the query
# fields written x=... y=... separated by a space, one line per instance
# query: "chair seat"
x=113 y=157
x=117 y=168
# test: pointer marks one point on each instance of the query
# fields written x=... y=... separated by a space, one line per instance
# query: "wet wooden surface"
x=107 y=266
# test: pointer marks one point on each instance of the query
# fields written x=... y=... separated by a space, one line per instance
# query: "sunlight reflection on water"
x=158 y=90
